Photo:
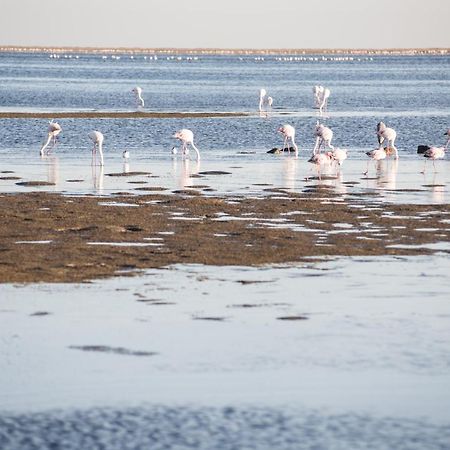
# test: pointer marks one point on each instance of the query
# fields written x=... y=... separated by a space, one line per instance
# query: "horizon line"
x=224 y=50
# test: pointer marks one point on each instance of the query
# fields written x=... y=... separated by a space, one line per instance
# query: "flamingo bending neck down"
x=319 y=160
x=186 y=137
x=433 y=153
x=375 y=155
x=288 y=132
x=53 y=130
x=388 y=134
x=324 y=135
x=97 y=138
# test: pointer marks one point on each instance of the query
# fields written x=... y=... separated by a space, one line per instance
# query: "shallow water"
x=362 y=343
x=347 y=353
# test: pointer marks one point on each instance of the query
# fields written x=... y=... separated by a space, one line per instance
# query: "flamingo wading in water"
x=186 y=137
x=54 y=129
x=288 y=132
x=324 y=135
x=97 y=138
x=375 y=155
x=137 y=91
x=323 y=106
x=388 y=134
x=320 y=160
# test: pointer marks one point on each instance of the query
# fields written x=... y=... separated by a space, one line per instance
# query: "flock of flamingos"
x=324 y=135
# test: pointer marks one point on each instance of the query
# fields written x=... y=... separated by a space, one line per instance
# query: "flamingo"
x=54 y=129
x=339 y=155
x=126 y=154
x=288 y=132
x=319 y=160
x=432 y=153
x=262 y=95
x=375 y=155
x=97 y=138
x=389 y=134
x=269 y=103
x=317 y=92
x=323 y=135
x=186 y=137
x=324 y=100
x=137 y=91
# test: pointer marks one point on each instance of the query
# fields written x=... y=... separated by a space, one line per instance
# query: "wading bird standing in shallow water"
x=389 y=134
x=338 y=155
x=320 y=160
x=324 y=135
x=432 y=153
x=323 y=106
x=137 y=91
x=262 y=97
x=288 y=132
x=375 y=155
x=186 y=137
x=53 y=130
x=97 y=138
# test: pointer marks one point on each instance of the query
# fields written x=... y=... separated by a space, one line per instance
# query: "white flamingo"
x=262 y=96
x=388 y=134
x=317 y=93
x=324 y=135
x=53 y=130
x=432 y=153
x=137 y=91
x=320 y=160
x=288 y=132
x=375 y=155
x=323 y=106
x=97 y=138
x=186 y=137
x=339 y=155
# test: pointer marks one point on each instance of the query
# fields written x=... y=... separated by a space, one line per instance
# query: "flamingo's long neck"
x=100 y=150
x=196 y=149
x=49 y=138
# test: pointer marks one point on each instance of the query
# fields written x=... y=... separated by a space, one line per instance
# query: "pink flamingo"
x=186 y=137
x=339 y=155
x=53 y=130
x=288 y=132
x=375 y=155
x=389 y=134
x=319 y=160
x=433 y=153
x=97 y=138
x=324 y=135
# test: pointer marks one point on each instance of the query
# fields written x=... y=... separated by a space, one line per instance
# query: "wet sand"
x=48 y=237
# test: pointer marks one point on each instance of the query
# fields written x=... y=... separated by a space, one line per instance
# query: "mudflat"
x=46 y=237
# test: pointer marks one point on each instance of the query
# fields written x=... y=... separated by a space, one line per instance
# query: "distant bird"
x=288 y=132
x=262 y=95
x=186 y=137
x=174 y=151
x=53 y=130
x=317 y=93
x=323 y=106
x=137 y=91
x=447 y=133
x=269 y=102
x=432 y=153
x=375 y=155
x=126 y=154
x=389 y=134
x=324 y=135
x=320 y=160
x=339 y=155
x=97 y=138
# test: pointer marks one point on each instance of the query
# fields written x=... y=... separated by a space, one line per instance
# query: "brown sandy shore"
x=117 y=115
x=279 y=228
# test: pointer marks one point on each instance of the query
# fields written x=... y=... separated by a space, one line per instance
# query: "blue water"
x=409 y=93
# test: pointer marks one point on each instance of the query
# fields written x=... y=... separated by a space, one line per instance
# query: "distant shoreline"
x=226 y=51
